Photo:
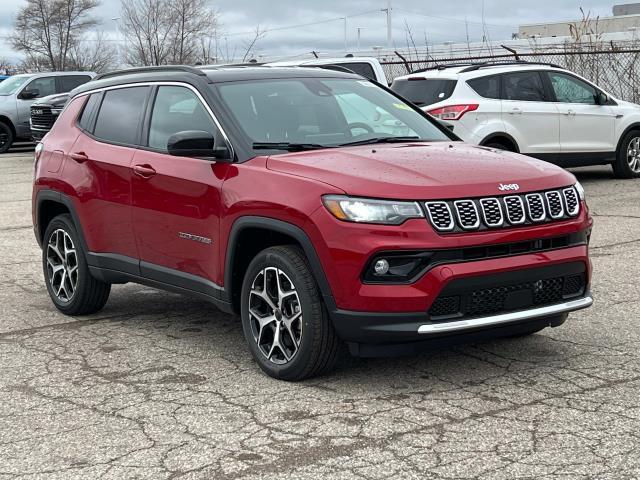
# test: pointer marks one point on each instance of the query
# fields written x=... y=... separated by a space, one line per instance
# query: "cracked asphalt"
x=162 y=386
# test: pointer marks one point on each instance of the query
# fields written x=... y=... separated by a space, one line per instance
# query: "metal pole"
x=389 y=27
x=118 y=58
x=358 y=43
x=345 y=35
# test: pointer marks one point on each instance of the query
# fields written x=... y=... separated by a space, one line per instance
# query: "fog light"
x=381 y=267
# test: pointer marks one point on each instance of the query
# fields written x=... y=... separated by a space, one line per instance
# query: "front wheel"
x=283 y=318
x=627 y=163
x=6 y=137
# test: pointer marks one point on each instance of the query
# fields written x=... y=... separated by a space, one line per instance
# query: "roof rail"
x=478 y=66
x=330 y=66
x=443 y=66
x=160 y=68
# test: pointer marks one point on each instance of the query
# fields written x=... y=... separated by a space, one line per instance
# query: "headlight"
x=580 y=190
x=364 y=210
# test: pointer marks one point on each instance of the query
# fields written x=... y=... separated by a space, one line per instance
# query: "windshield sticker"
x=402 y=106
x=365 y=83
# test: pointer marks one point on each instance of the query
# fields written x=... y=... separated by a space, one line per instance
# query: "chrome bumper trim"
x=507 y=317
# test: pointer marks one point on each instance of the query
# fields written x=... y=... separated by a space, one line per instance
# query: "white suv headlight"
x=580 y=190
x=365 y=210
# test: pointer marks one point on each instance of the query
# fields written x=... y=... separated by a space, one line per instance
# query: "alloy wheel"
x=633 y=154
x=275 y=315
x=62 y=265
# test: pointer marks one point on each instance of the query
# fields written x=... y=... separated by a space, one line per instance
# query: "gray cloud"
x=438 y=21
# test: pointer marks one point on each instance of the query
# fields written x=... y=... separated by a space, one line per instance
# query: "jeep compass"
x=318 y=206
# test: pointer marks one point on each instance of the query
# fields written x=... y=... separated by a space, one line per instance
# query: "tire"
x=6 y=137
x=297 y=339
x=627 y=163
x=63 y=260
x=499 y=146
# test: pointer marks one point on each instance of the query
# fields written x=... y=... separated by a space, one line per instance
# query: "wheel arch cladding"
x=250 y=235
x=630 y=128
x=50 y=204
x=500 y=137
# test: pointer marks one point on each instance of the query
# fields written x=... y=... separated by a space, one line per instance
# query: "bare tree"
x=160 y=32
x=46 y=31
x=250 y=45
x=94 y=54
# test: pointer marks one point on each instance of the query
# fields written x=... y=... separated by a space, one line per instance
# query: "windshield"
x=12 y=84
x=424 y=92
x=322 y=112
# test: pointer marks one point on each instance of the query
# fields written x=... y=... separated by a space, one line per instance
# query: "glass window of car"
x=569 y=89
x=43 y=86
x=424 y=91
x=120 y=115
x=177 y=109
x=88 y=111
x=524 y=86
x=361 y=68
x=322 y=111
x=12 y=84
x=69 y=82
x=487 y=87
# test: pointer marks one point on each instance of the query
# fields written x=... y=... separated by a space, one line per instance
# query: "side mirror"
x=29 y=94
x=196 y=143
x=602 y=98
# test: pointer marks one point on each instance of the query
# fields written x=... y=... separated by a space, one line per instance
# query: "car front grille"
x=504 y=298
x=454 y=216
x=42 y=117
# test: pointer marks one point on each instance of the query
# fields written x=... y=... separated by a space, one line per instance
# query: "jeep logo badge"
x=510 y=186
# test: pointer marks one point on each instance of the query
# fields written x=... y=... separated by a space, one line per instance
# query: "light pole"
x=359 y=29
x=118 y=59
x=345 y=35
x=389 y=12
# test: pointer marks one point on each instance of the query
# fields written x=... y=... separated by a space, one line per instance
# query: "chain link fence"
x=614 y=69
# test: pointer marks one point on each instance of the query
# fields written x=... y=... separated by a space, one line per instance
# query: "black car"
x=44 y=113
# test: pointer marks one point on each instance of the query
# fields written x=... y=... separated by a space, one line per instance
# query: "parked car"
x=368 y=67
x=44 y=113
x=3 y=77
x=540 y=110
x=18 y=93
x=254 y=189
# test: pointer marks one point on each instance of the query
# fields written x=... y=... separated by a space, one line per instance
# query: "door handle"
x=79 y=157
x=144 y=171
x=516 y=111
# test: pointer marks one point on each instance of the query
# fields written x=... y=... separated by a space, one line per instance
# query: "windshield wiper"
x=291 y=147
x=370 y=141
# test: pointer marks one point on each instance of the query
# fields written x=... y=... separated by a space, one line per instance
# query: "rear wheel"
x=6 y=137
x=283 y=318
x=627 y=163
x=500 y=145
x=69 y=282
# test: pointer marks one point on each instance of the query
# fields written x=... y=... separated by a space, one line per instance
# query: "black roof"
x=208 y=74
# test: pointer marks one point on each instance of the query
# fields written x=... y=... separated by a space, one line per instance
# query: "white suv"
x=540 y=110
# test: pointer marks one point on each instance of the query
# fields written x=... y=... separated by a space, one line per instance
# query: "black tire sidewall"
x=312 y=314
x=4 y=128
x=65 y=223
x=622 y=168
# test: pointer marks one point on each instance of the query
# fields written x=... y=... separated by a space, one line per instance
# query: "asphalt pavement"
x=162 y=386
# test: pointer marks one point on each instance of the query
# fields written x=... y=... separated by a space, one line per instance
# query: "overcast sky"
x=439 y=20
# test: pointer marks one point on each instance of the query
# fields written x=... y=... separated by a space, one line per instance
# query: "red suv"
x=318 y=205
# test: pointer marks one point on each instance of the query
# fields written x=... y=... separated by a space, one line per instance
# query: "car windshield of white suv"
x=308 y=113
x=12 y=84
x=424 y=91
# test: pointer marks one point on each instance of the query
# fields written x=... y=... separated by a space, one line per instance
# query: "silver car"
x=18 y=92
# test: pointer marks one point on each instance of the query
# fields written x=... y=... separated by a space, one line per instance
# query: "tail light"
x=452 y=112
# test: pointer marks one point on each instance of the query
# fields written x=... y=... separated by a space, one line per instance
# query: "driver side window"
x=177 y=109
x=569 y=89
x=44 y=86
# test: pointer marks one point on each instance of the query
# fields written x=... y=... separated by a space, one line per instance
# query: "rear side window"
x=523 y=86
x=487 y=87
x=424 y=91
x=68 y=83
x=88 y=112
x=361 y=68
x=120 y=115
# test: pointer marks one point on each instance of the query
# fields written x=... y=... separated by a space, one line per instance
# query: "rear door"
x=528 y=113
x=66 y=83
x=176 y=200
x=101 y=157
x=585 y=126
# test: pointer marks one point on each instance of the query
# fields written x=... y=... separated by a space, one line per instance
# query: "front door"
x=37 y=88
x=585 y=126
x=176 y=200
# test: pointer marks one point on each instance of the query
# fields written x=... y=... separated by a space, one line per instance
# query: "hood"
x=422 y=171
x=55 y=100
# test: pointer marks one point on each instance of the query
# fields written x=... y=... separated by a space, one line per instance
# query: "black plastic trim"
x=575 y=159
x=281 y=227
x=61 y=198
